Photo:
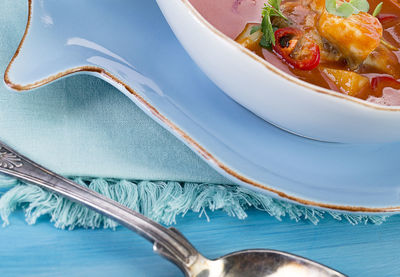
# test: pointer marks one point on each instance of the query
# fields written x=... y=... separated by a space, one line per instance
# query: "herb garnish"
x=347 y=8
x=377 y=9
x=272 y=8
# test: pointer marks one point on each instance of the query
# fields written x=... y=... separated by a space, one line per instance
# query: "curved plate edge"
x=179 y=133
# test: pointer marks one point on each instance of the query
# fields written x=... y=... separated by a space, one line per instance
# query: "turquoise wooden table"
x=42 y=250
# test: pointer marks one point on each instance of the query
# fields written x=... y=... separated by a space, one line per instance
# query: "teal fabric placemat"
x=82 y=126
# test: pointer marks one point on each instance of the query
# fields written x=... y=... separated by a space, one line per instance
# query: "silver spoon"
x=169 y=243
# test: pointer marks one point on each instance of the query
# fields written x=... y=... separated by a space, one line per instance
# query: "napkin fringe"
x=160 y=201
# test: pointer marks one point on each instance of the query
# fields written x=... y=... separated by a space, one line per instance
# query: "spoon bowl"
x=259 y=263
x=264 y=263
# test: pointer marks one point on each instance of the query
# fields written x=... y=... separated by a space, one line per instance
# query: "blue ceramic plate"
x=128 y=44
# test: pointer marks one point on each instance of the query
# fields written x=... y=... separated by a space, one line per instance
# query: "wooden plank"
x=42 y=250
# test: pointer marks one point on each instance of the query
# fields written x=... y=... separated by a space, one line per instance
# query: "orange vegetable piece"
x=247 y=40
x=348 y=82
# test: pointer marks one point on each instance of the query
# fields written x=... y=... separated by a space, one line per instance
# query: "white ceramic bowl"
x=275 y=96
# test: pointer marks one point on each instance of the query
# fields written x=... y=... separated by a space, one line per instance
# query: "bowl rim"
x=195 y=146
x=195 y=13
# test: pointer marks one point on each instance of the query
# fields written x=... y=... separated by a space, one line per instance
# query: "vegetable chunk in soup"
x=350 y=46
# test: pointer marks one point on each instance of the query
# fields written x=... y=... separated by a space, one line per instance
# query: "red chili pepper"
x=386 y=17
x=381 y=82
x=384 y=81
x=285 y=42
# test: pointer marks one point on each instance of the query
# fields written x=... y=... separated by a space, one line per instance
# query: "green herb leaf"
x=271 y=9
x=275 y=4
x=265 y=44
x=330 y=6
x=255 y=28
x=346 y=9
x=266 y=28
x=360 y=5
x=377 y=9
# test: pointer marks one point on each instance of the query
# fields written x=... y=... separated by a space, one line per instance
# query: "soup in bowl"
x=321 y=69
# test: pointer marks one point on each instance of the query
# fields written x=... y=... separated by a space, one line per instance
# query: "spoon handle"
x=167 y=242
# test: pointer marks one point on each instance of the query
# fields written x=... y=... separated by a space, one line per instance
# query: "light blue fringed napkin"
x=81 y=126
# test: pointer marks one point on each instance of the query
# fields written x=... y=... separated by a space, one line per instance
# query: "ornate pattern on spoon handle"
x=8 y=159
x=167 y=242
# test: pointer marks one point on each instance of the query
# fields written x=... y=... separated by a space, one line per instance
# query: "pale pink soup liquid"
x=230 y=16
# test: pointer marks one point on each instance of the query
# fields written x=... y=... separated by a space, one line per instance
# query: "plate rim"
x=178 y=132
